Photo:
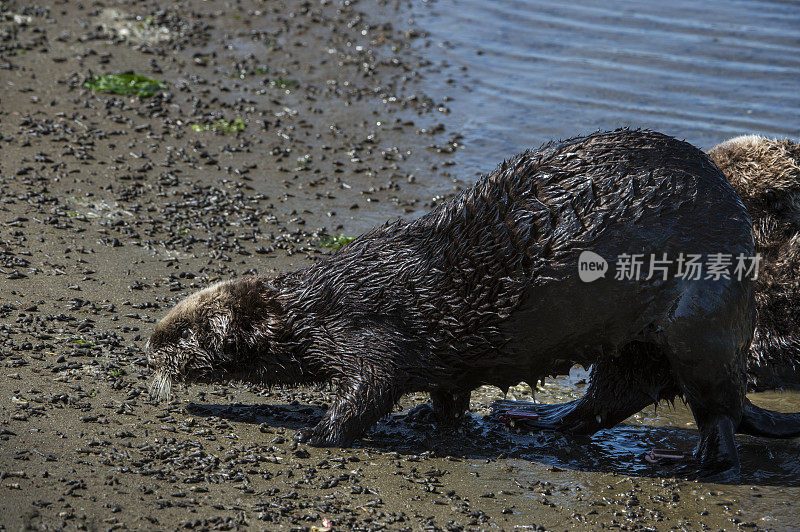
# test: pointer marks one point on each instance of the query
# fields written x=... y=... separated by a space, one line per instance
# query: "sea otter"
x=766 y=174
x=486 y=289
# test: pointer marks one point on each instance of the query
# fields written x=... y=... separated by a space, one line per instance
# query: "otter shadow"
x=621 y=450
x=291 y=416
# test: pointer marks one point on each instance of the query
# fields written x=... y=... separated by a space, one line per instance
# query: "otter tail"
x=758 y=421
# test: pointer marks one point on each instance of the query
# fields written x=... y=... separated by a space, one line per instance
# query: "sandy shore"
x=112 y=207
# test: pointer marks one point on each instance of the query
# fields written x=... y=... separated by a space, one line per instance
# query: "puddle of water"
x=535 y=70
x=671 y=426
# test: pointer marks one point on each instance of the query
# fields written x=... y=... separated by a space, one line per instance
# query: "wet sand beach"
x=281 y=124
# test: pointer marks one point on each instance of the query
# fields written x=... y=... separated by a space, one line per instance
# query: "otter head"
x=222 y=333
x=765 y=172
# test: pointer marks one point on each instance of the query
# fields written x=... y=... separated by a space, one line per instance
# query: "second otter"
x=766 y=174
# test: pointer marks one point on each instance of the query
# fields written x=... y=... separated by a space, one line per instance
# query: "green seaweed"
x=223 y=126
x=304 y=162
x=146 y=22
x=335 y=242
x=284 y=83
x=82 y=341
x=127 y=84
x=260 y=71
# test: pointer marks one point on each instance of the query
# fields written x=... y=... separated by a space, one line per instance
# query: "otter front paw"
x=303 y=435
x=324 y=435
x=326 y=438
x=319 y=437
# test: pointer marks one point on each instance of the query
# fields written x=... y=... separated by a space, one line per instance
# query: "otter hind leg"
x=449 y=407
x=706 y=341
x=446 y=409
x=619 y=387
x=716 y=454
x=715 y=399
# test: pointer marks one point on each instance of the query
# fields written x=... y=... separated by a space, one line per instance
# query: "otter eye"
x=185 y=334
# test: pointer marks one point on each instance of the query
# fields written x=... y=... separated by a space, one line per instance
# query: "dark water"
x=538 y=70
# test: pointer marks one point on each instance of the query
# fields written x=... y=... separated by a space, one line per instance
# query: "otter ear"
x=219 y=323
x=269 y=295
x=274 y=316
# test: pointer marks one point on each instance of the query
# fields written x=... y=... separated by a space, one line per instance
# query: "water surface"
x=527 y=71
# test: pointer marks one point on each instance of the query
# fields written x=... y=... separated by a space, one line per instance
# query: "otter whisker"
x=161 y=386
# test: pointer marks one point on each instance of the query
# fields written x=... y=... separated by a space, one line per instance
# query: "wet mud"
x=113 y=207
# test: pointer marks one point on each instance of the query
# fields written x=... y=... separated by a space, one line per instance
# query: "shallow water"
x=665 y=426
x=538 y=70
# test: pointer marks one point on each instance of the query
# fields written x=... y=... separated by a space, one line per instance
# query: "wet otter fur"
x=766 y=174
x=484 y=289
